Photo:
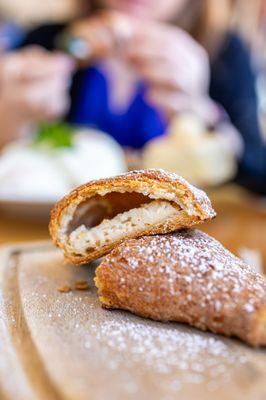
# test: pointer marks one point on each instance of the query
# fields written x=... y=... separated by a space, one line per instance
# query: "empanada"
x=94 y=218
x=189 y=277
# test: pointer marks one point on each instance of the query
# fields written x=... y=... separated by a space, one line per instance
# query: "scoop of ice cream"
x=30 y=172
x=94 y=155
x=190 y=150
x=186 y=128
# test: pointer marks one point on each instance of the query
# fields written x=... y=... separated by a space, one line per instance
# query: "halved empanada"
x=94 y=218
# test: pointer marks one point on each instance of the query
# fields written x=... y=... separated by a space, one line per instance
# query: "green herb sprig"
x=54 y=136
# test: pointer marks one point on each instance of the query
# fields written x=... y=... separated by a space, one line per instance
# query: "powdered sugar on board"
x=93 y=353
x=166 y=352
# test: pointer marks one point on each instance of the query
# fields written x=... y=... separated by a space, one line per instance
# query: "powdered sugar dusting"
x=186 y=276
x=141 y=357
x=114 y=355
x=168 y=353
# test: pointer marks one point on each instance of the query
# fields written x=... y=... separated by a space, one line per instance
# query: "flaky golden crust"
x=195 y=203
x=189 y=277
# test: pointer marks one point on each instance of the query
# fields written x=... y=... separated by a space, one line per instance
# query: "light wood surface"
x=64 y=346
x=16 y=229
x=240 y=221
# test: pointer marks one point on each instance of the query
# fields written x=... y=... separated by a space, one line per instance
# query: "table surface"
x=240 y=222
x=34 y=354
x=16 y=230
x=66 y=346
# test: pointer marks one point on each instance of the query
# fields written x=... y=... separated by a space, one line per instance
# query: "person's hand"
x=174 y=66
x=100 y=36
x=34 y=84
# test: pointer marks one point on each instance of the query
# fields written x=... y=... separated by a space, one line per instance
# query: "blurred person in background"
x=27 y=78
x=33 y=88
x=181 y=56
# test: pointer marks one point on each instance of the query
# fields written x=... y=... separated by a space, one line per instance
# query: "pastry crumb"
x=81 y=285
x=64 y=289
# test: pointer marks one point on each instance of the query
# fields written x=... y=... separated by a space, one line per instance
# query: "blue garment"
x=233 y=84
x=11 y=35
x=92 y=108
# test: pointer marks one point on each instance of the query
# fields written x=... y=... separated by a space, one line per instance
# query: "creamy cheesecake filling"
x=84 y=239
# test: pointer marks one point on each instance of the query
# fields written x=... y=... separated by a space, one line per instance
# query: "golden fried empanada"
x=95 y=217
x=189 y=277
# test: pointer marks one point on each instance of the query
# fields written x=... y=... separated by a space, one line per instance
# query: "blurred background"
x=91 y=88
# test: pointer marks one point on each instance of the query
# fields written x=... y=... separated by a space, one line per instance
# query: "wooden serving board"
x=64 y=346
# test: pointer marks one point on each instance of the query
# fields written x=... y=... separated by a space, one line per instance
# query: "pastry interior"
x=104 y=219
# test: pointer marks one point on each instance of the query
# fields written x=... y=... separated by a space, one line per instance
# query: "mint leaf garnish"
x=54 y=136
